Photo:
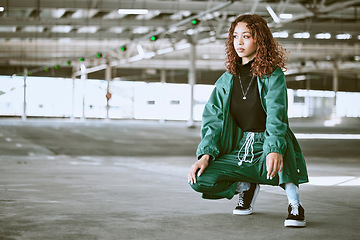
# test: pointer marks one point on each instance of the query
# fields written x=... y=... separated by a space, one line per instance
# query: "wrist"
x=206 y=157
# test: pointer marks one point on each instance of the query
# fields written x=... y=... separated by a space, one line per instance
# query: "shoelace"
x=241 y=199
x=249 y=143
x=294 y=209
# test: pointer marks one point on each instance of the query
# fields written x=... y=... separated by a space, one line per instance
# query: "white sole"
x=250 y=210
x=294 y=223
x=243 y=212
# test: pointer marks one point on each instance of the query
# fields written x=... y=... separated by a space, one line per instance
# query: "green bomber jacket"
x=220 y=133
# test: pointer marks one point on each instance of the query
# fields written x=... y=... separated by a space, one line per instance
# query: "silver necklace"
x=242 y=89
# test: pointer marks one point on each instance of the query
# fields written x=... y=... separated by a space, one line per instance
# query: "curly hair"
x=269 y=54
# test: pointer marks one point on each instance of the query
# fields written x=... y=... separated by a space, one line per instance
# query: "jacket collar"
x=225 y=82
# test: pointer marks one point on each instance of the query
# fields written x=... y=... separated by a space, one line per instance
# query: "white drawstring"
x=249 y=143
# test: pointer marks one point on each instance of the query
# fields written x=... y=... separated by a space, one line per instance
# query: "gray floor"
x=128 y=180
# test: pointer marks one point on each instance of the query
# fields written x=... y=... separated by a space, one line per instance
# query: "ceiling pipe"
x=147 y=36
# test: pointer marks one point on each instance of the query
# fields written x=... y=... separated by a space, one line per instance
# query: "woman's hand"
x=274 y=164
x=200 y=164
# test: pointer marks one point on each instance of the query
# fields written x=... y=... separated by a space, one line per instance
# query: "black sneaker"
x=247 y=200
x=296 y=217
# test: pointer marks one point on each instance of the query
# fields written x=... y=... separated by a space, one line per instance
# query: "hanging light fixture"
x=133 y=11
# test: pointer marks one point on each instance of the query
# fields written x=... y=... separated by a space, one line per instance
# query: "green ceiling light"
x=81 y=59
x=123 y=48
x=99 y=55
x=195 y=21
x=68 y=63
x=56 y=66
x=154 y=38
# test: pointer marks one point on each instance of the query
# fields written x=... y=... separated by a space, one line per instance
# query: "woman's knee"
x=202 y=186
x=196 y=186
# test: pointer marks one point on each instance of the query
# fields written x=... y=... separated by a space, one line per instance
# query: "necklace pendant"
x=244 y=97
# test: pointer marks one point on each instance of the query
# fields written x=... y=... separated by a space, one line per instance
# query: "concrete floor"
x=128 y=180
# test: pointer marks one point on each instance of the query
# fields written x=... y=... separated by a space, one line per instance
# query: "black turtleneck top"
x=248 y=113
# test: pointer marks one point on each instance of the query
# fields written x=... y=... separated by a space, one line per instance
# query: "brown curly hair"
x=269 y=54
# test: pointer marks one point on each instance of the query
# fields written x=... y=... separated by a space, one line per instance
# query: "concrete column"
x=163 y=76
x=73 y=76
x=83 y=80
x=335 y=86
x=334 y=119
x=307 y=98
x=163 y=81
x=108 y=78
x=308 y=83
x=23 y=116
x=192 y=81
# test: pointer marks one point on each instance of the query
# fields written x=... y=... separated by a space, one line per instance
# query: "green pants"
x=247 y=163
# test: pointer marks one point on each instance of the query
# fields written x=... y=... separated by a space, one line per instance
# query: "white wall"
x=53 y=97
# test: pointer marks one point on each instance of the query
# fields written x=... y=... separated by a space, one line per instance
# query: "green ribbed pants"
x=220 y=178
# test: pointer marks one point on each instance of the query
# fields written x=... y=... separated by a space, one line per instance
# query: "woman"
x=245 y=134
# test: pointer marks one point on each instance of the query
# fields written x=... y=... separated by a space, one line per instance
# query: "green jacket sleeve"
x=212 y=120
x=276 y=110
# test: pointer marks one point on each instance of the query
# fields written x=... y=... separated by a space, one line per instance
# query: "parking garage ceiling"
x=52 y=38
